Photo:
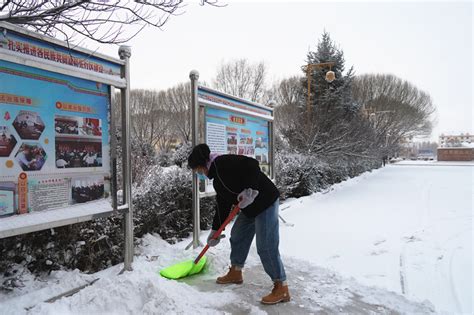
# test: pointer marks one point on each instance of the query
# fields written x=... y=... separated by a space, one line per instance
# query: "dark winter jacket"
x=233 y=173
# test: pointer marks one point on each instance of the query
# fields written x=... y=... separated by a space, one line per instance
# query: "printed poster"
x=232 y=133
x=53 y=128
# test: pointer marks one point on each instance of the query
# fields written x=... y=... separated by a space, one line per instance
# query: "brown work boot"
x=279 y=294
x=233 y=276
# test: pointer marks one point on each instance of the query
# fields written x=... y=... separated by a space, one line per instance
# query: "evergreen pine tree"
x=334 y=97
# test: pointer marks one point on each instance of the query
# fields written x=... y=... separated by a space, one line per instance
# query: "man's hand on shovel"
x=214 y=241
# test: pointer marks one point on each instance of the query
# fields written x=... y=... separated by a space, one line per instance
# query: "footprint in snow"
x=412 y=238
x=378 y=242
x=378 y=252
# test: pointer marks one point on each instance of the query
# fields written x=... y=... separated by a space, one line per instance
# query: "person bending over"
x=238 y=179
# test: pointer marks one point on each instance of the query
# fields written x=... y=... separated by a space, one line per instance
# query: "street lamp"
x=330 y=76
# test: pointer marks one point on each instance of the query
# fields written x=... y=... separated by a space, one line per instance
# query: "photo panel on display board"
x=78 y=153
x=78 y=141
x=80 y=126
x=87 y=189
x=7 y=198
x=7 y=141
x=231 y=138
x=232 y=149
x=242 y=139
x=31 y=156
x=29 y=125
x=260 y=142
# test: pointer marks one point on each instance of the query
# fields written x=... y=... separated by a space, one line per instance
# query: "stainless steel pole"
x=272 y=151
x=194 y=76
x=272 y=104
x=113 y=148
x=125 y=53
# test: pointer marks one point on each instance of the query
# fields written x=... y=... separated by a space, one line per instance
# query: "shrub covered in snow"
x=164 y=158
x=88 y=246
x=296 y=175
x=163 y=204
x=300 y=175
x=180 y=155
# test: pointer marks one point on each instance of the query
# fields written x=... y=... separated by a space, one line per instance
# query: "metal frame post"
x=125 y=53
x=272 y=104
x=113 y=149
x=194 y=76
x=272 y=151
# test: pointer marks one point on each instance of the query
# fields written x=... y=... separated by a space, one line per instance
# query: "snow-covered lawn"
x=407 y=228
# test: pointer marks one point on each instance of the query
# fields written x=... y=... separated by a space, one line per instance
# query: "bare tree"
x=395 y=107
x=151 y=119
x=288 y=95
x=289 y=91
x=161 y=118
x=177 y=100
x=103 y=21
x=242 y=79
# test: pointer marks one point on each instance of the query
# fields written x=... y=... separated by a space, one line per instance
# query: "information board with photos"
x=231 y=133
x=235 y=126
x=54 y=130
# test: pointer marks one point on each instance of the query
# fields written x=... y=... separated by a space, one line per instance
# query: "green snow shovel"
x=190 y=267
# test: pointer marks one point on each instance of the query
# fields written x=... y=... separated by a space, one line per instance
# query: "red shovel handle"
x=231 y=215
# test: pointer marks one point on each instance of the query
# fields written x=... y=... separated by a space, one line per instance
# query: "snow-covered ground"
x=372 y=244
x=407 y=228
x=143 y=291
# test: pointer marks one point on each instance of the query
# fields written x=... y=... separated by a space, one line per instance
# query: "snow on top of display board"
x=206 y=94
x=35 y=221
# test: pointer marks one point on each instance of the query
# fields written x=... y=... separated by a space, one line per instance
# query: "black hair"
x=199 y=156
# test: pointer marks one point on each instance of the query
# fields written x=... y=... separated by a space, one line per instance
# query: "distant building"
x=456 y=147
x=456 y=154
x=462 y=140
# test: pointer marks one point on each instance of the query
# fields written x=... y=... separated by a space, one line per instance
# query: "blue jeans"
x=266 y=228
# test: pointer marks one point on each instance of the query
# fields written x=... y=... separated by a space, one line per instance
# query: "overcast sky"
x=426 y=43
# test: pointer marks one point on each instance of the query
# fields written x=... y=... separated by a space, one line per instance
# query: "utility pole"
x=330 y=76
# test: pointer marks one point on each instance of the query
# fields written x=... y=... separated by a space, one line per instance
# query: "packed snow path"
x=407 y=228
x=314 y=291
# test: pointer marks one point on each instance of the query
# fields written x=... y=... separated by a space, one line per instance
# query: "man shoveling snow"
x=238 y=179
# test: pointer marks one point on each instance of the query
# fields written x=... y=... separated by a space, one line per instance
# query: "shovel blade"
x=183 y=269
